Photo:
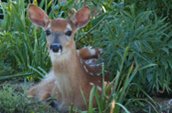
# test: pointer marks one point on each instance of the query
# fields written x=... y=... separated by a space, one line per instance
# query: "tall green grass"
x=25 y=43
x=148 y=36
x=116 y=97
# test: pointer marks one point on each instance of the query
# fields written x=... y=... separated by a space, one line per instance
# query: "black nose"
x=55 y=47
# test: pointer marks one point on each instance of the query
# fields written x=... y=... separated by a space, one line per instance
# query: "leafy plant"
x=148 y=37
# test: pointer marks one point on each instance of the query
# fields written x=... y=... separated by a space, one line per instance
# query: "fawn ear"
x=81 y=17
x=38 y=16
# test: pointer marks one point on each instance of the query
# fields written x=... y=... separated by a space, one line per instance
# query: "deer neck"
x=68 y=65
x=69 y=74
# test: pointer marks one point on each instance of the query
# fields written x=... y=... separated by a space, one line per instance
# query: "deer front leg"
x=89 y=53
x=43 y=90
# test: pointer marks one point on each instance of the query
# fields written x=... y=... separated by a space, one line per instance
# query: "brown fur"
x=85 y=53
x=58 y=25
x=68 y=76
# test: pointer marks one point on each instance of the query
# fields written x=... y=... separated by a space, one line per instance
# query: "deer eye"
x=48 y=32
x=68 y=33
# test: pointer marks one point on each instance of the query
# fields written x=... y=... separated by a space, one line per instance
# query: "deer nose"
x=55 y=47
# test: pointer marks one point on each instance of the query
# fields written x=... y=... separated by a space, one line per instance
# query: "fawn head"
x=59 y=32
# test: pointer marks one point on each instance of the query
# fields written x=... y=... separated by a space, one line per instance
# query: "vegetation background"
x=136 y=36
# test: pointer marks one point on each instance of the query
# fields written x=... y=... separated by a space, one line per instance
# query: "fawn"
x=71 y=68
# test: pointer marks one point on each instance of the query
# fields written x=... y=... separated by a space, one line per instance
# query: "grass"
x=136 y=39
x=148 y=37
x=13 y=99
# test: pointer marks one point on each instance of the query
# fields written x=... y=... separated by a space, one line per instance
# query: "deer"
x=73 y=70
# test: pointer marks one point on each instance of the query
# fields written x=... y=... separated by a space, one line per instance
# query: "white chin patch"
x=55 y=55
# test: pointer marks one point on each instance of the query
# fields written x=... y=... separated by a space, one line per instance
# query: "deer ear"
x=38 y=16
x=81 y=17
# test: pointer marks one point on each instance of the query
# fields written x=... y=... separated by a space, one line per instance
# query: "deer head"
x=59 y=32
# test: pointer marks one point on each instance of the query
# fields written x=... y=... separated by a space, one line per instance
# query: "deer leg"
x=42 y=90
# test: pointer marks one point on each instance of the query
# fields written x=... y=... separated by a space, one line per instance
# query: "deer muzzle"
x=56 y=47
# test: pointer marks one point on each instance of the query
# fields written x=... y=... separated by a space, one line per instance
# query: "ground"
x=13 y=99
